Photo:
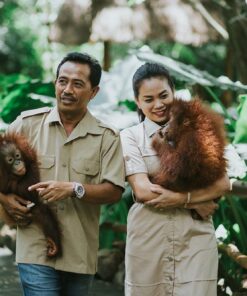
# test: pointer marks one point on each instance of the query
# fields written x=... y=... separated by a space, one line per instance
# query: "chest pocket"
x=150 y=158
x=46 y=166
x=85 y=170
x=147 y=151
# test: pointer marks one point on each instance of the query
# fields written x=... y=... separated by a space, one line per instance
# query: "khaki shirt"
x=167 y=252
x=91 y=155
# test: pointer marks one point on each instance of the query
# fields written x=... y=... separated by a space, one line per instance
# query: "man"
x=81 y=167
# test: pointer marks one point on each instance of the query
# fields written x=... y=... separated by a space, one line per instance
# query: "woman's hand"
x=166 y=198
x=205 y=209
x=51 y=191
x=170 y=199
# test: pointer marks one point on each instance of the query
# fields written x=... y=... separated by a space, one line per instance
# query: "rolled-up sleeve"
x=133 y=159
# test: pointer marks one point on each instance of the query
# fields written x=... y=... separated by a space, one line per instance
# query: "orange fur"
x=190 y=148
x=11 y=183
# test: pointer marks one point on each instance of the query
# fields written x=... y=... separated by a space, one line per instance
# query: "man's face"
x=73 y=88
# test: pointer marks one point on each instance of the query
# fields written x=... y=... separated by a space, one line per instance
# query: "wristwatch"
x=78 y=190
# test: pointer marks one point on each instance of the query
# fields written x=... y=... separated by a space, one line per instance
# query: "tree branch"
x=233 y=252
x=208 y=17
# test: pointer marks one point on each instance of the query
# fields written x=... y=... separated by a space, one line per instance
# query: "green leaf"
x=18 y=100
x=241 y=124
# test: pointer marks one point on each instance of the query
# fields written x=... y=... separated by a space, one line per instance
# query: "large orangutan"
x=190 y=147
x=19 y=170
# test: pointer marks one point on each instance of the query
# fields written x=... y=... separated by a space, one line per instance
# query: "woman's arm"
x=219 y=188
x=141 y=187
x=157 y=196
x=144 y=191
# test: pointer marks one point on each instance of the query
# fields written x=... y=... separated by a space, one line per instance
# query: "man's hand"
x=17 y=208
x=51 y=191
x=205 y=209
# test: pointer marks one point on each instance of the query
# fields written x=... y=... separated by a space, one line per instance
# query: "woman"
x=167 y=252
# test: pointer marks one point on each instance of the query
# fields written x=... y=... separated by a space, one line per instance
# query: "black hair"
x=84 y=58
x=147 y=71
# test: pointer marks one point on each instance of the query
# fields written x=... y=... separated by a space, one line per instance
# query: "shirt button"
x=170 y=259
x=127 y=158
x=86 y=169
x=169 y=240
x=64 y=165
x=170 y=278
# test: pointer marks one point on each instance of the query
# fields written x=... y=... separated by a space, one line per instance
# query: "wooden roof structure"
x=115 y=21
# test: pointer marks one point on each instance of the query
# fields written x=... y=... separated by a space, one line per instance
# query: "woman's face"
x=154 y=94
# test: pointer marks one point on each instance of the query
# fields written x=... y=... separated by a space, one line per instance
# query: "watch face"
x=79 y=190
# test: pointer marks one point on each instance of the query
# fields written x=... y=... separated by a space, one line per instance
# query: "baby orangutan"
x=19 y=170
x=190 y=147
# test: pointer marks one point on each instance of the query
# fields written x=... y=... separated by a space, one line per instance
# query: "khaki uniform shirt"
x=90 y=155
x=167 y=252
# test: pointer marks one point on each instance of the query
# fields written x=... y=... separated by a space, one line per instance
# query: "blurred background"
x=202 y=43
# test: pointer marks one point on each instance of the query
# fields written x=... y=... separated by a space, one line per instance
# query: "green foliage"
x=120 y=51
x=7 y=9
x=230 y=122
x=19 y=54
x=17 y=50
x=114 y=215
x=23 y=94
x=232 y=215
x=131 y=105
x=6 y=81
x=209 y=57
x=241 y=125
x=177 y=51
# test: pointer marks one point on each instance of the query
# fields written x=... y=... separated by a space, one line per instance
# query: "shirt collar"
x=88 y=125
x=53 y=116
x=151 y=127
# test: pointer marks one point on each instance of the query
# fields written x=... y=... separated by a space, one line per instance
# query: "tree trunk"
x=236 y=24
x=107 y=55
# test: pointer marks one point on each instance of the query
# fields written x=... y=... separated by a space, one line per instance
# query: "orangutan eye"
x=10 y=160
x=17 y=154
